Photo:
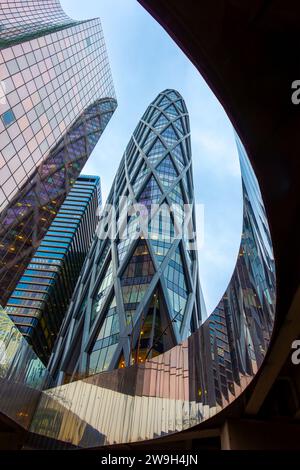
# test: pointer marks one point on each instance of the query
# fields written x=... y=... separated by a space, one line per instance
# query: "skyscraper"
x=40 y=300
x=139 y=292
x=56 y=98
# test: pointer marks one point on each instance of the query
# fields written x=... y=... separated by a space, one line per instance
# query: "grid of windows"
x=176 y=285
x=178 y=155
x=102 y=292
x=46 y=193
x=151 y=194
x=171 y=111
x=106 y=341
x=169 y=136
x=164 y=101
x=49 y=82
x=156 y=151
x=22 y=18
x=50 y=292
x=167 y=172
x=161 y=230
x=161 y=123
x=140 y=177
x=132 y=233
x=136 y=277
x=58 y=99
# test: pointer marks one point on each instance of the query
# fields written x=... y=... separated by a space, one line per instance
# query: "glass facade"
x=40 y=300
x=57 y=86
x=24 y=18
x=22 y=375
x=143 y=271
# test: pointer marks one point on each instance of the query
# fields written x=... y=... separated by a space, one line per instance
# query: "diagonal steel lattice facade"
x=139 y=293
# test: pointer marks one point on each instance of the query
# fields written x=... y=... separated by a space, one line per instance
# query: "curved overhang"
x=247 y=53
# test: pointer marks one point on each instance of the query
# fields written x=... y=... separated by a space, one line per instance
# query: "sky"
x=144 y=61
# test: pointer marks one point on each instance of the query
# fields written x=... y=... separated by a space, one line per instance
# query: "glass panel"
x=8 y=117
x=161 y=122
x=151 y=194
x=106 y=340
x=171 y=111
x=176 y=286
x=136 y=277
x=169 y=136
x=156 y=152
x=161 y=232
x=102 y=292
x=167 y=172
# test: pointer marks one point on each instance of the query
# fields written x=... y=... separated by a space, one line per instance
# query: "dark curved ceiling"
x=249 y=55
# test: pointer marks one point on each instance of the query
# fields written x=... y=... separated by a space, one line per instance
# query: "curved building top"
x=30 y=18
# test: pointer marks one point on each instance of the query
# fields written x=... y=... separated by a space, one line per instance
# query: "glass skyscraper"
x=139 y=292
x=56 y=97
x=40 y=300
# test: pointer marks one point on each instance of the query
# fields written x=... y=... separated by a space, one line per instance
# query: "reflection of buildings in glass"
x=22 y=375
x=9 y=343
x=55 y=75
x=236 y=335
x=144 y=295
x=17 y=361
x=40 y=300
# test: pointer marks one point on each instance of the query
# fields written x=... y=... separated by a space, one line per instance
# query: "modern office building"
x=139 y=292
x=40 y=300
x=56 y=97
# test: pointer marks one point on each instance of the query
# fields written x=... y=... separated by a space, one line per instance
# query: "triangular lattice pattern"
x=143 y=298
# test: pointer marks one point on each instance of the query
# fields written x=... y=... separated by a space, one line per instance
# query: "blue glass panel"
x=8 y=117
